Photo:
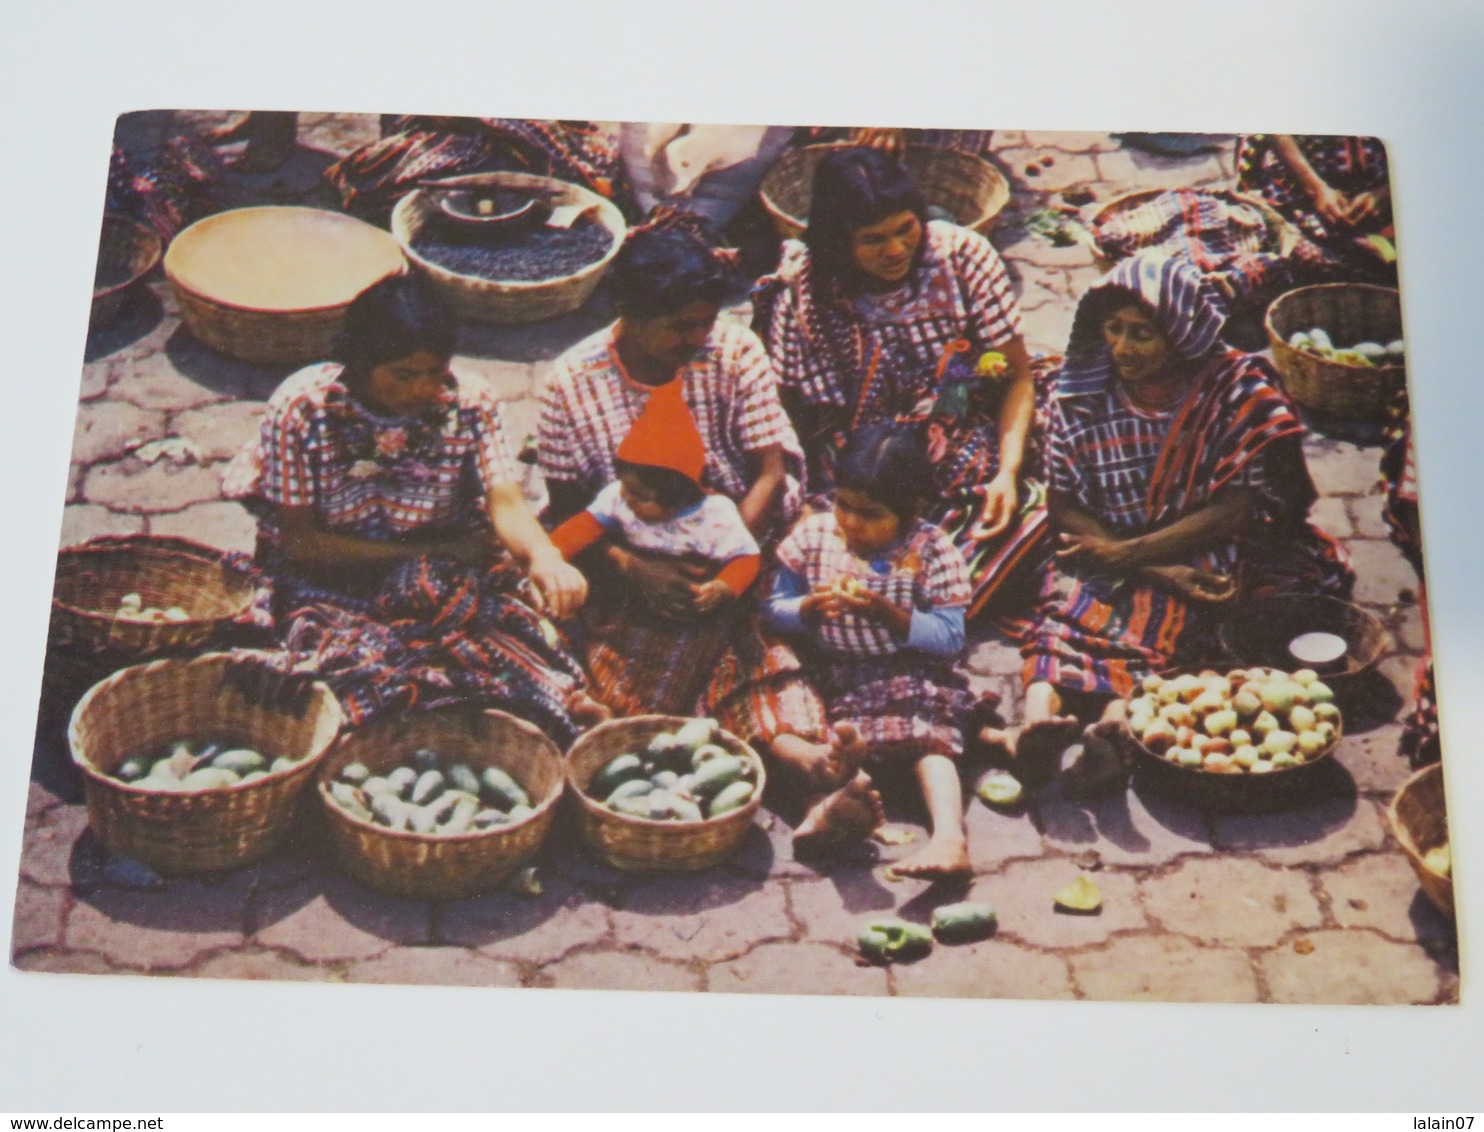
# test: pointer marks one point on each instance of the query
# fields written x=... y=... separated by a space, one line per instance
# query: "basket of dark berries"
x=513 y=272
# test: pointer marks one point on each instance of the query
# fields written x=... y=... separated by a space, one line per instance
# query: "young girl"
x=657 y=506
x=879 y=593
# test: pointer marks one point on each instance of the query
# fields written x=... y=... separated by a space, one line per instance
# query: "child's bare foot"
x=997 y=745
x=851 y=813
x=827 y=765
x=1039 y=746
x=942 y=858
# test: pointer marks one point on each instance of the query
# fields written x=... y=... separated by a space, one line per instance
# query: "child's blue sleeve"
x=937 y=632
x=781 y=612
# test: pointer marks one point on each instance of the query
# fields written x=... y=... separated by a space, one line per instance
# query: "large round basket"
x=127 y=252
x=1258 y=633
x=509 y=302
x=1419 y=818
x=1348 y=313
x=968 y=188
x=639 y=845
x=270 y=285
x=420 y=867
x=1276 y=234
x=213 y=697
x=164 y=572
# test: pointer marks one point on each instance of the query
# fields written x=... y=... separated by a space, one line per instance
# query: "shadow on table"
x=197 y=362
x=537 y=341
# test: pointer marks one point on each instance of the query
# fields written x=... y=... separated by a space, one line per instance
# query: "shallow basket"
x=165 y=572
x=1257 y=635
x=1349 y=313
x=1419 y=818
x=640 y=845
x=512 y=302
x=127 y=252
x=1281 y=236
x=142 y=708
x=290 y=314
x=422 y=867
x=968 y=188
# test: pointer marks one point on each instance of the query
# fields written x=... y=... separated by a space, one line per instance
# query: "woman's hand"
x=559 y=587
x=1331 y=204
x=664 y=584
x=1195 y=584
x=1001 y=500
x=1363 y=206
x=1108 y=553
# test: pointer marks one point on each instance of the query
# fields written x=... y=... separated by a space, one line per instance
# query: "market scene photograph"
x=778 y=559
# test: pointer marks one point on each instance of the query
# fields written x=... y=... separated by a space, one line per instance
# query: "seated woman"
x=389 y=510
x=863 y=319
x=1177 y=487
x=651 y=643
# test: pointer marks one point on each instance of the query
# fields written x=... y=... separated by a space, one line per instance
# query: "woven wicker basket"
x=242 y=319
x=127 y=252
x=143 y=708
x=1280 y=235
x=638 y=845
x=1349 y=313
x=1258 y=632
x=485 y=300
x=968 y=188
x=445 y=868
x=165 y=572
x=1419 y=819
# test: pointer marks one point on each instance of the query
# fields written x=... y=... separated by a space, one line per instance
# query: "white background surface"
x=1408 y=72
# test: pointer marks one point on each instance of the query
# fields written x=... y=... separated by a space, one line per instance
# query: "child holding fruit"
x=878 y=595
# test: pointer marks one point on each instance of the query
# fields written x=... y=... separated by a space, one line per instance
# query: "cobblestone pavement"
x=1315 y=904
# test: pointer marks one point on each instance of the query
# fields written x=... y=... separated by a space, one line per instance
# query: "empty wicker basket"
x=511 y=302
x=1258 y=633
x=142 y=708
x=165 y=572
x=1348 y=313
x=640 y=845
x=1419 y=819
x=968 y=188
x=127 y=252
x=425 y=867
x=270 y=285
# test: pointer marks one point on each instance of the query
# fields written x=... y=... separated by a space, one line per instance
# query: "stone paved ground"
x=1315 y=904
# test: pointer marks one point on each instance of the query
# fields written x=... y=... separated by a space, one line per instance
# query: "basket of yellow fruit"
x=1248 y=739
x=1419 y=819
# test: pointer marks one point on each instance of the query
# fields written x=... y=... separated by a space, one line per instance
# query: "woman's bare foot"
x=997 y=745
x=1039 y=747
x=827 y=765
x=851 y=813
x=1100 y=763
x=943 y=857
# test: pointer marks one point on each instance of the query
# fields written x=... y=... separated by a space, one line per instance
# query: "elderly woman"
x=652 y=645
x=390 y=514
x=1177 y=487
x=880 y=314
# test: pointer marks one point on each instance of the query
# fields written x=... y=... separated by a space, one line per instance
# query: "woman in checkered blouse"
x=861 y=319
x=392 y=522
x=1177 y=486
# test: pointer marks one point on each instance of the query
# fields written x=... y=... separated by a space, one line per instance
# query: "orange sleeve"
x=577 y=534
x=741 y=572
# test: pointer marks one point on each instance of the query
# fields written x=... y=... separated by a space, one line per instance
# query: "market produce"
x=541 y=253
x=132 y=608
x=431 y=795
x=1439 y=859
x=1000 y=789
x=1081 y=895
x=967 y=920
x=1317 y=342
x=1249 y=721
x=185 y=766
x=888 y=941
x=681 y=775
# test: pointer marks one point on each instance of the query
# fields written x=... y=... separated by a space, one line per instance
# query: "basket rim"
x=610 y=215
x=325 y=778
x=152 y=241
x=1400 y=829
x=1277 y=340
x=1384 y=638
x=184 y=548
x=326 y=697
x=241 y=308
x=598 y=808
x=788 y=157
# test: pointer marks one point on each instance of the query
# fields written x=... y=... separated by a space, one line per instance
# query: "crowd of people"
x=788 y=526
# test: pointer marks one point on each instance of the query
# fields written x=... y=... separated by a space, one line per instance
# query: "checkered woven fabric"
x=922 y=570
x=730 y=388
